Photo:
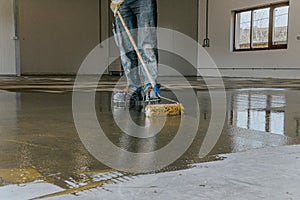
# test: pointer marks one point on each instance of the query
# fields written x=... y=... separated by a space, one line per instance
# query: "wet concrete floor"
x=38 y=138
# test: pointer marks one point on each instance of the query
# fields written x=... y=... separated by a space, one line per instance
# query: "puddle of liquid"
x=18 y=176
x=37 y=132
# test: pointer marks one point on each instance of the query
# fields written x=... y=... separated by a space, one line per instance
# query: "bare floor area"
x=39 y=140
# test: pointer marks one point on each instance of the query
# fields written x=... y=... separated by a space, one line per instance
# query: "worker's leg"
x=146 y=13
x=128 y=56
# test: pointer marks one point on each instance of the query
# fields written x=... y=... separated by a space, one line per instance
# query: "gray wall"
x=56 y=35
x=181 y=16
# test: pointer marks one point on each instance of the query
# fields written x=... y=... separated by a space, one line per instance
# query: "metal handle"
x=15 y=37
x=167 y=99
x=206 y=41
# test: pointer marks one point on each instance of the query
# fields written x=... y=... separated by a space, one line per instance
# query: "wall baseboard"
x=285 y=73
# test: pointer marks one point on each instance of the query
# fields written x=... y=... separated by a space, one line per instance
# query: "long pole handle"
x=153 y=83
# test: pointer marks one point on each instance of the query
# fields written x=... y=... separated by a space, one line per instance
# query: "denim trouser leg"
x=129 y=58
x=146 y=14
x=141 y=14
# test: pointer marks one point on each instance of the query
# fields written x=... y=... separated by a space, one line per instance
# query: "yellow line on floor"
x=74 y=190
x=82 y=188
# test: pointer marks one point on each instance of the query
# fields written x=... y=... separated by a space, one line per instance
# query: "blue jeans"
x=141 y=18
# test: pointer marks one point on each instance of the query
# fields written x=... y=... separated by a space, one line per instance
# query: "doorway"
x=8 y=38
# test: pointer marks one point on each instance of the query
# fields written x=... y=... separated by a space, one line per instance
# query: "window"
x=261 y=28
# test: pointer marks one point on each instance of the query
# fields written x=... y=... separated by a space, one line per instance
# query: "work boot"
x=150 y=96
x=124 y=97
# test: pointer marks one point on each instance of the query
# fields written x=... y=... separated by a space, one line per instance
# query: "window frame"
x=272 y=7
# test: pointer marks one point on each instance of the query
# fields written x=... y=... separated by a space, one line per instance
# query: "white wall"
x=220 y=28
x=7 y=44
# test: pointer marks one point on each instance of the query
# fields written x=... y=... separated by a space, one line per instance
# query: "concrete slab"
x=28 y=191
x=269 y=173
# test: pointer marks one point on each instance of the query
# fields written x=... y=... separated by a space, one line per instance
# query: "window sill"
x=260 y=49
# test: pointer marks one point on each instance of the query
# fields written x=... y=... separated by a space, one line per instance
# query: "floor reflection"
x=37 y=130
x=270 y=111
x=261 y=112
